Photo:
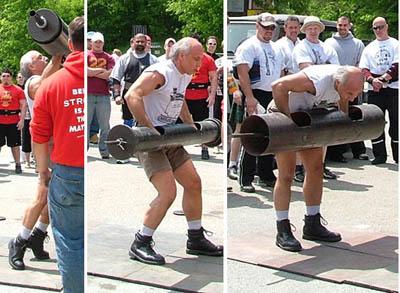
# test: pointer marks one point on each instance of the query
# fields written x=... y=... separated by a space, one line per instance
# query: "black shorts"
x=11 y=134
x=26 y=137
x=199 y=109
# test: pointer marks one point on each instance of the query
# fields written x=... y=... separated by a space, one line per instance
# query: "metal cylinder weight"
x=123 y=142
x=48 y=30
x=276 y=132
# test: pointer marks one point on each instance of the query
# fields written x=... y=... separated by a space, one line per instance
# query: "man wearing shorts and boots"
x=156 y=99
x=12 y=115
x=316 y=85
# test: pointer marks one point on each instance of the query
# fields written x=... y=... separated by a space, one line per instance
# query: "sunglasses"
x=268 y=28
x=378 y=27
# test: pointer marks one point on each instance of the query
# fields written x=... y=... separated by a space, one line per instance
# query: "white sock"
x=232 y=164
x=282 y=215
x=312 y=210
x=25 y=233
x=194 y=225
x=42 y=226
x=146 y=231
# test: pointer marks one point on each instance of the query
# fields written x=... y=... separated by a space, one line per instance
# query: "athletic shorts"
x=9 y=133
x=199 y=109
x=168 y=158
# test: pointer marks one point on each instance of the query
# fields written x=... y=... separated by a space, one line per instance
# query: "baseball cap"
x=169 y=40
x=310 y=20
x=266 y=19
x=97 y=37
x=89 y=35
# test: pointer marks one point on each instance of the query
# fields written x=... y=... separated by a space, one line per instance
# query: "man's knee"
x=286 y=178
x=194 y=184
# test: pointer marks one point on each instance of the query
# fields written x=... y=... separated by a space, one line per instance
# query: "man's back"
x=59 y=105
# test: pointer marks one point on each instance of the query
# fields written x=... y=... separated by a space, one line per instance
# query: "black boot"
x=285 y=238
x=314 y=230
x=142 y=250
x=36 y=244
x=198 y=244
x=16 y=252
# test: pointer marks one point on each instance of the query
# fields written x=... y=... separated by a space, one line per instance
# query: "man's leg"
x=141 y=249
x=285 y=239
x=312 y=190
x=103 y=112
x=91 y=109
x=393 y=109
x=187 y=177
x=378 y=144
x=66 y=205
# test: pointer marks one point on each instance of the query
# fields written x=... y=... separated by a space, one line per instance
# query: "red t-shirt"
x=201 y=76
x=10 y=95
x=99 y=86
x=59 y=112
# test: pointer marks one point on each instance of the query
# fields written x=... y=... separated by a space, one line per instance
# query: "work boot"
x=285 y=238
x=18 y=169
x=314 y=230
x=142 y=250
x=36 y=244
x=204 y=154
x=198 y=244
x=16 y=252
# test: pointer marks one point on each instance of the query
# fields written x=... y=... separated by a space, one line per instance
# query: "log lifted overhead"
x=275 y=132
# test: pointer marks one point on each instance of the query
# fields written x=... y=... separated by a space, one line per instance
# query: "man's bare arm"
x=143 y=86
x=41 y=151
x=297 y=82
x=93 y=72
x=23 y=108
x=185 y=115
x=105 y=74
x=213 y=78
x=244 y=79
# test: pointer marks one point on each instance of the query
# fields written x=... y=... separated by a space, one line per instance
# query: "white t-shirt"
x=287 y=46
x=163 y=106
x=325 y=93
x=29 y=100
x=378 y=57
x=307 y=52
x=265 y=56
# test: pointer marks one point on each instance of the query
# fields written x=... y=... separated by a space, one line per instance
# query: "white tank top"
x=29 y=100
x=163 y=106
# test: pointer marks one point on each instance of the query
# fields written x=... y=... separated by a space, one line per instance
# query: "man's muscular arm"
x=297 y=82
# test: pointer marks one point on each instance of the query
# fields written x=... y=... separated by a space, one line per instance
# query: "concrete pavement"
x=117 y=197
x=17 y=191
x=363 y=202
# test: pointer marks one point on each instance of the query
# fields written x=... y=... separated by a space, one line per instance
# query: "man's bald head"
x=379 y=20
x=187 y=54
x=185 y=46
x=349 y=82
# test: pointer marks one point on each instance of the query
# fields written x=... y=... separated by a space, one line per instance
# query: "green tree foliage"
x=162 y=18
x=361 y=12
x=15 y=40
x=201 y=16
x=115 y=19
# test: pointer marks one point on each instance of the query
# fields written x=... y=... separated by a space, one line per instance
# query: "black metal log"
x=48 y=30
x=123 y=142
x=276 y=132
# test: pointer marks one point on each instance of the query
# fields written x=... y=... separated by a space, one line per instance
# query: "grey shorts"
x=168 y=158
